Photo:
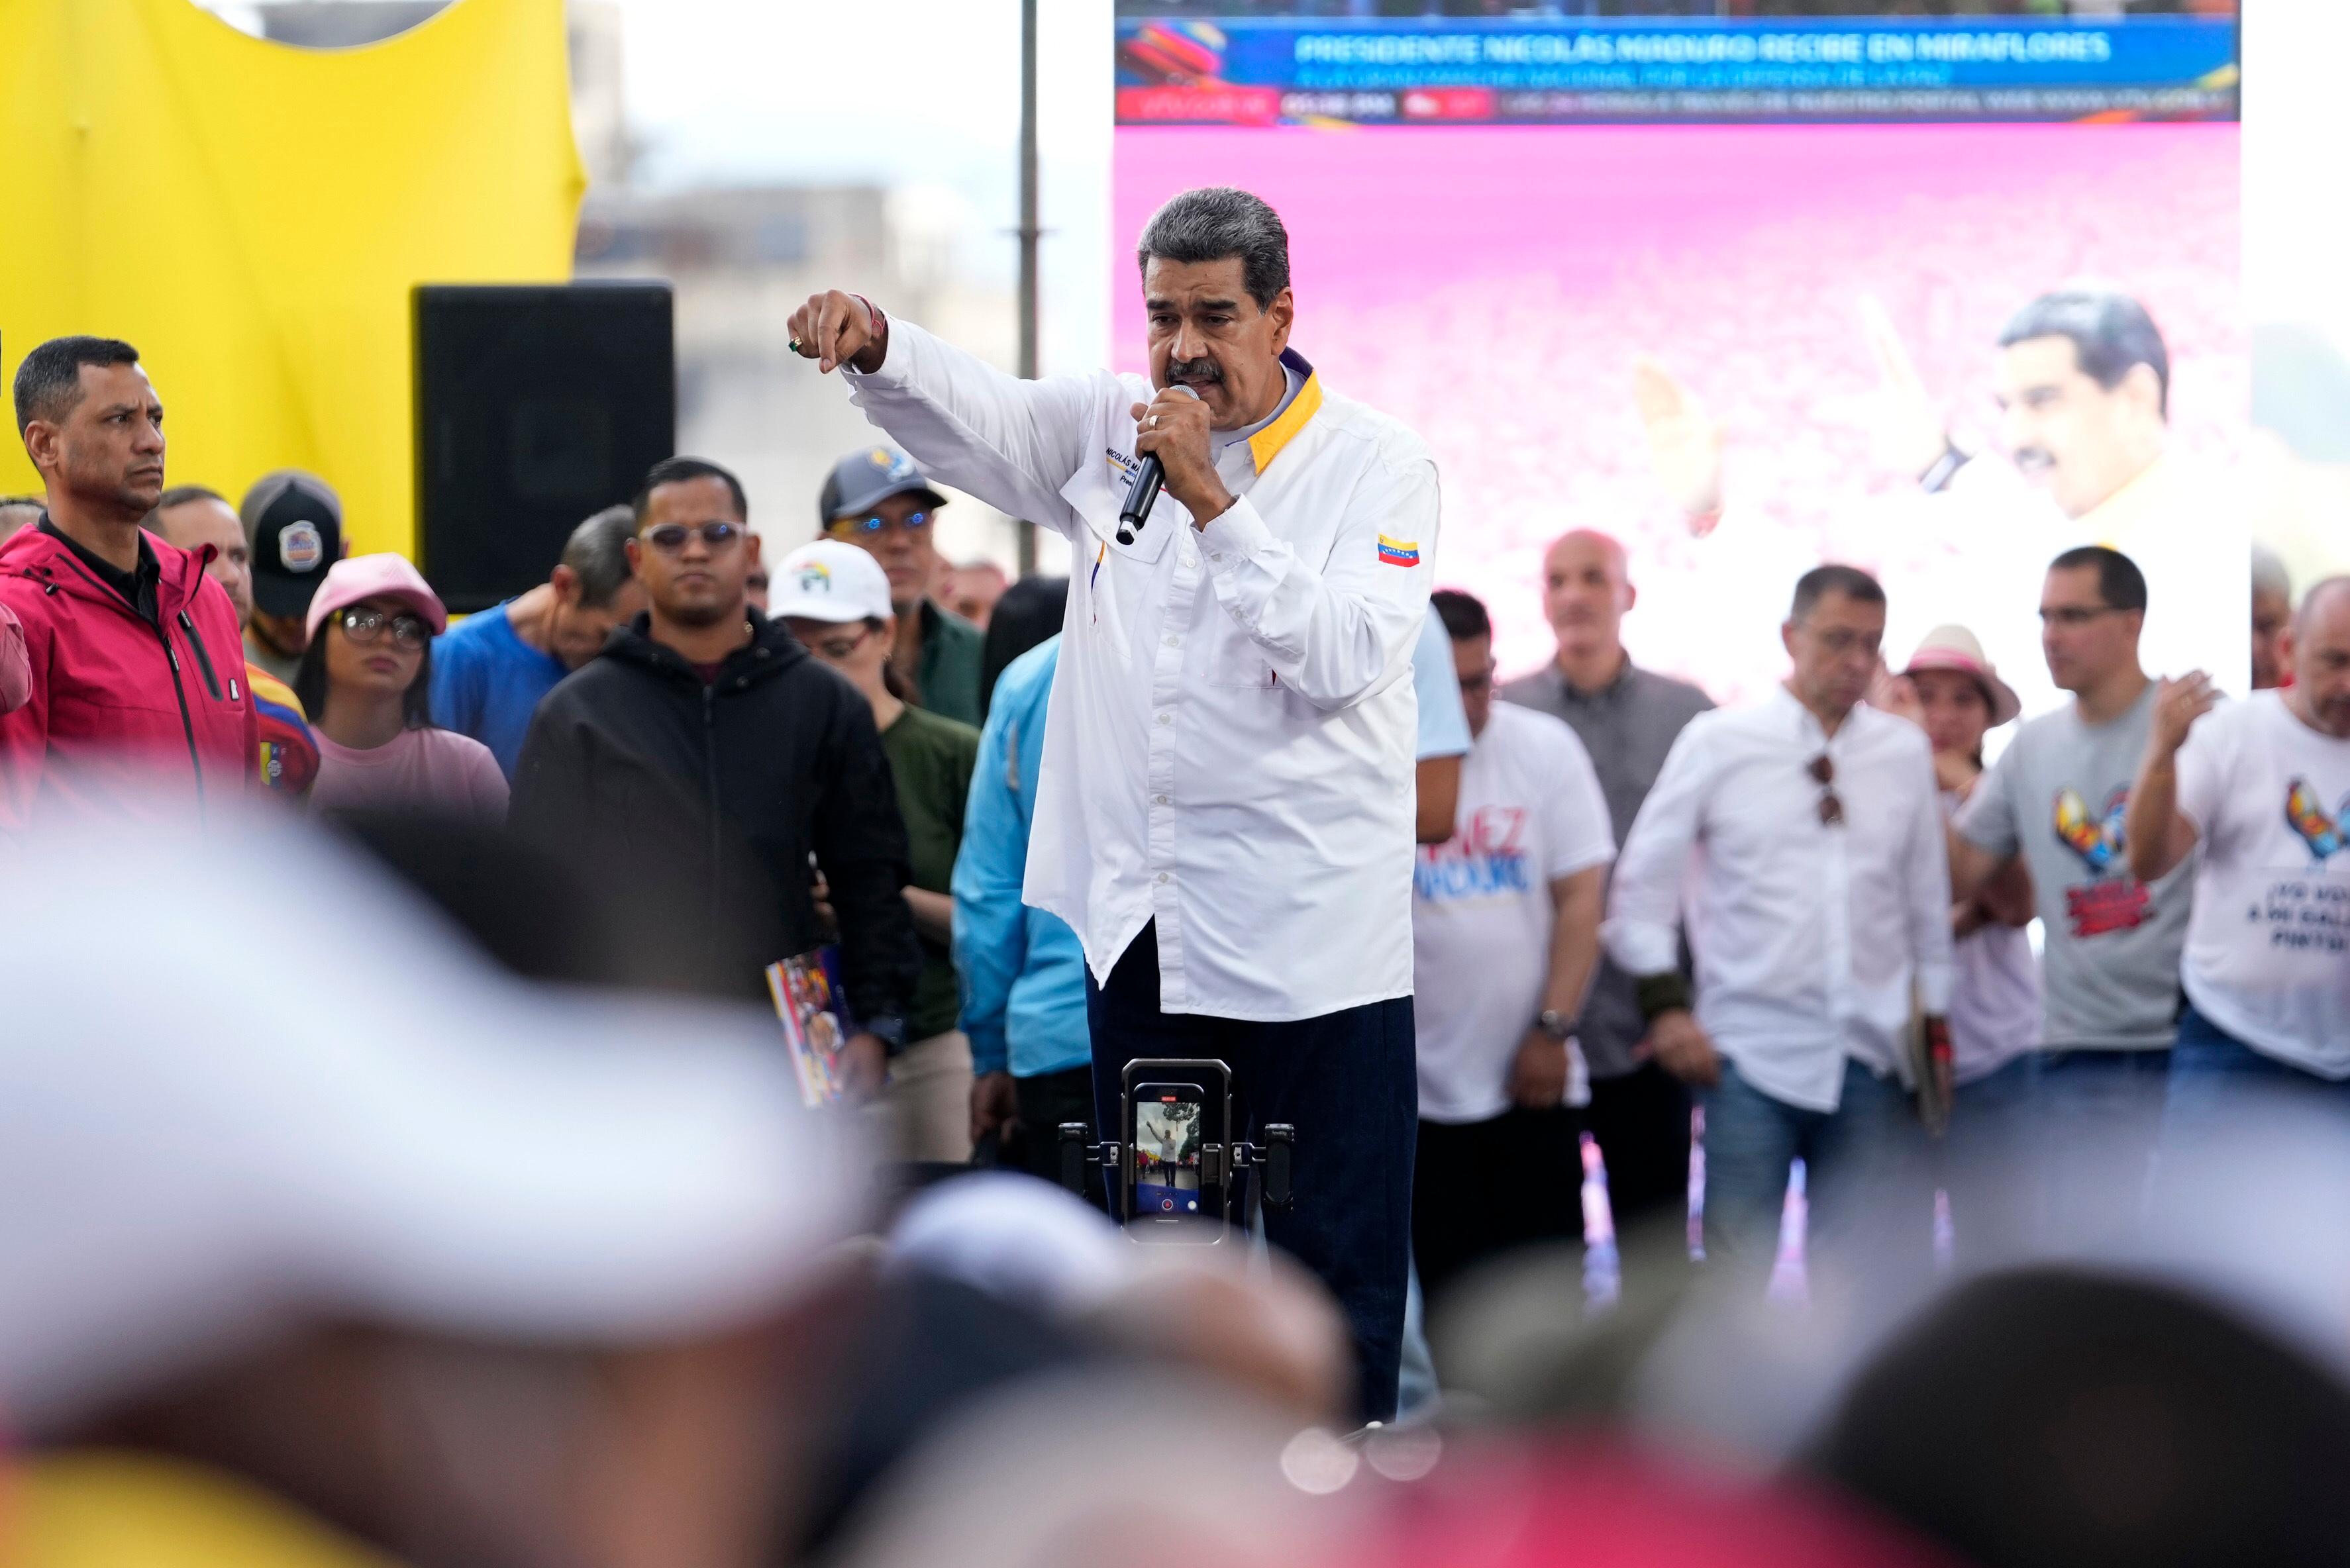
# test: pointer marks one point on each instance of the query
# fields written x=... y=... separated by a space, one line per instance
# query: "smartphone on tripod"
x=1177 y=1117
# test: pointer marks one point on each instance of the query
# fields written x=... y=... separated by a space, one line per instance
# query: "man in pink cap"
x=366 y=679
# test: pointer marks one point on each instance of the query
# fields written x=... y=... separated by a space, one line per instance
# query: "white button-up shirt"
x=1229 y=747
x=1808 y=936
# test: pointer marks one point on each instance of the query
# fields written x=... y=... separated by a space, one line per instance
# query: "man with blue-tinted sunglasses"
x=875 y=499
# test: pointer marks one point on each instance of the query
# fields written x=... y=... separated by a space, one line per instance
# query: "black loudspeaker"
x=536 y=406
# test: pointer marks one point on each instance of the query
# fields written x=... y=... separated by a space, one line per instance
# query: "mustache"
x=1194 y=370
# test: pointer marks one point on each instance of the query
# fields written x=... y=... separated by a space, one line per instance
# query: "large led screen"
x=1734 y=341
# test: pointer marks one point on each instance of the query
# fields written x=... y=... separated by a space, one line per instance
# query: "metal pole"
x=1030 y=233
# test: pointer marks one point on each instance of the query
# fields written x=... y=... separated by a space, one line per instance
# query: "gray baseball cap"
x=868 y=476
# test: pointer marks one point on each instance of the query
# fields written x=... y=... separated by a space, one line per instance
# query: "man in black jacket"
x=703 y=750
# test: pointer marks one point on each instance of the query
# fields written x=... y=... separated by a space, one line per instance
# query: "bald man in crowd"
x=1626 y=718
x=2260 y=787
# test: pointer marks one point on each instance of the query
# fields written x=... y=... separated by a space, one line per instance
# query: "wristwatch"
x=1554 y=1023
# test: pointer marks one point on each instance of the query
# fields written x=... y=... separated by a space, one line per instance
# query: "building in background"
x=740 y=259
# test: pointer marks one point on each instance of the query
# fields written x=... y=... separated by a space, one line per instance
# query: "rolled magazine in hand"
x=807 y=992
x=1926 y=1037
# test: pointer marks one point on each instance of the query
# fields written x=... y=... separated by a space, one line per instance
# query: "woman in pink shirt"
x=365 y=680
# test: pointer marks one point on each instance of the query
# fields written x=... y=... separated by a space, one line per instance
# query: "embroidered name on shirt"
x=1120 y=462
x=1396 y=552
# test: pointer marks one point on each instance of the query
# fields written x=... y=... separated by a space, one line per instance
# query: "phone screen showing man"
x=1169 y=1129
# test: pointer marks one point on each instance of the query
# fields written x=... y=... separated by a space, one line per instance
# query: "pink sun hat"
x=384 y=576
x=1955 y=647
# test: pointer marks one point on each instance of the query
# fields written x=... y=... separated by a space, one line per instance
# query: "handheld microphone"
x=1149 y=477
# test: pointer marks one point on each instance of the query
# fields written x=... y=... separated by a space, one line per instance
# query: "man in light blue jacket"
x=1022 y=970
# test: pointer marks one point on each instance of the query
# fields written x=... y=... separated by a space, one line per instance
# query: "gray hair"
x=1215 y=222
x=2269 y=575
x=597 y=554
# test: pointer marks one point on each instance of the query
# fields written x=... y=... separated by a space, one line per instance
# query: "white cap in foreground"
x=215 y=1121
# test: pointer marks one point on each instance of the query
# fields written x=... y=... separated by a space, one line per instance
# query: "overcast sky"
x=878 y=90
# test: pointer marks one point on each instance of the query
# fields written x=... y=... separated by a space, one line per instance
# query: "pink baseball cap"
x=385 y=576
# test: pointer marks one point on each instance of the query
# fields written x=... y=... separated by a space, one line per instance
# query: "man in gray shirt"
x=2110 y=990
x=1627 y=719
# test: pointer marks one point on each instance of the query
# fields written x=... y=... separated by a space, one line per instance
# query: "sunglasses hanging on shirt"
x=1823 y=771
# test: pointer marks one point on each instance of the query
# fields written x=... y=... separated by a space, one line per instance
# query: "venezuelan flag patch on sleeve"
x=1396 y=552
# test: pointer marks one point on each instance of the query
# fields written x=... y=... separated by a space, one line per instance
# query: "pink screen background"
x=1490 y=287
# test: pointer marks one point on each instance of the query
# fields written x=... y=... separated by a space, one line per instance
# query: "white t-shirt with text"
x=1531 y=812
x=2268 y=945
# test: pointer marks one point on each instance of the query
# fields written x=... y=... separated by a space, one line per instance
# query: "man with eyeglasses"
x=1820 y=913
x=877 y=500
x=2109 y=994
x=705 y=745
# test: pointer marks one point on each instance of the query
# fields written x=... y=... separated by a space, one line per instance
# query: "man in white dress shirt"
x=1225 y=811
x=1821 y=898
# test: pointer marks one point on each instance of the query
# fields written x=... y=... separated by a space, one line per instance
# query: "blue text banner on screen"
x=1244 y=71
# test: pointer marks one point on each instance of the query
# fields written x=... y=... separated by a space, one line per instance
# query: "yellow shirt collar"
x=1266 y=444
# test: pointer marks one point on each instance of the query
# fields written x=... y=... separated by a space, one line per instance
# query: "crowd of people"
x=1943 y=955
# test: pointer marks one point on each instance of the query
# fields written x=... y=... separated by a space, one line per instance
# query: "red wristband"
x=877 y=324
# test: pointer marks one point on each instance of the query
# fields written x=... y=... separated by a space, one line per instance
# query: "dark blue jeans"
x=2211 y=1069
x=1348 y=1083
x=1988 y=1166
x=2094 y=1117
x=1865 y=1178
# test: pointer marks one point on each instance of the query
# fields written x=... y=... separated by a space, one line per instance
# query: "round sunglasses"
x=366 y=626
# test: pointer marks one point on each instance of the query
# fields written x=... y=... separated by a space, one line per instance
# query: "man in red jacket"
x=137 y=692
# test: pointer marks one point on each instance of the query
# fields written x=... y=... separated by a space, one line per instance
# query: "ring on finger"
x=1154 y=421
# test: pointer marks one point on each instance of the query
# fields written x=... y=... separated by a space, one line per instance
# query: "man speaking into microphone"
x=1224 y=814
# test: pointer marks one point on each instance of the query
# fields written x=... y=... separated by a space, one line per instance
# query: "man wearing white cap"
x=835 y=598
x=1956 y=694
x=585 y=1238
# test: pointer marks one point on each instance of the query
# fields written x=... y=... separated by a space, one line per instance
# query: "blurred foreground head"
x=2059 y=1416
x=1258 y=1324
x=476 y=1271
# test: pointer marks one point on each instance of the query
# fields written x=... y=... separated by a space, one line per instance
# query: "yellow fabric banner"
x=253 y=217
